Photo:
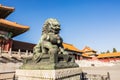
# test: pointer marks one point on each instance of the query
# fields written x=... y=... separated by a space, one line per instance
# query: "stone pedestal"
x=59 y=74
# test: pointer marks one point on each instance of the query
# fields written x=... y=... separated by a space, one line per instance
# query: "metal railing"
x=85 y=76
x=8 y=76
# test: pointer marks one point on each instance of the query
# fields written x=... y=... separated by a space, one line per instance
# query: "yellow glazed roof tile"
x=108 y=55
x=71 y=47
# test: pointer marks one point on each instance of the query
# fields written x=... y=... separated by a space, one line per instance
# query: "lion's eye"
x=55 y=25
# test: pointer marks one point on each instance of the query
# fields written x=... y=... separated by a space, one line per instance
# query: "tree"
x=108 y=51
x=102 y=52
x=114 y=50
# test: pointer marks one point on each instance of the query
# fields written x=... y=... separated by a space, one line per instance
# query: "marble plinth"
x=59 y=74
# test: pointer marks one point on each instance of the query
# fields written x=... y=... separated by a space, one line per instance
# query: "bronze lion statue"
x=49 y=52
x=50 y=42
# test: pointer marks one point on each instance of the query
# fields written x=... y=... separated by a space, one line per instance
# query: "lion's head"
x=51 y=25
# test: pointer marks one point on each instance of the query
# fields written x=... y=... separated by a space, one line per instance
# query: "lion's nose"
x=58 y=28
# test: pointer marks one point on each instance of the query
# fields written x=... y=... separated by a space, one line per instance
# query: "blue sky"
x=93 y=23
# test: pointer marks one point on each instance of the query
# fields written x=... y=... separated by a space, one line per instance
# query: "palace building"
x=8 y=29
x=89 y=53
x=71 y=49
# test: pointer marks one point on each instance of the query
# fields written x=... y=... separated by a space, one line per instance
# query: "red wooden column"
x=8 y=45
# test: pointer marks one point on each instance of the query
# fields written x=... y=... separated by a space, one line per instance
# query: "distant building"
x=73 y=50
x=109 y=57
x=89 y=53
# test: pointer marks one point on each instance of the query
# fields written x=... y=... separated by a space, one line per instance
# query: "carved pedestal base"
x=46 y=62
x=60 y=74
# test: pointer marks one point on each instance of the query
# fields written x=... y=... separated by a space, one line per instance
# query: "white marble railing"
x=17 y=54
x=86 y=63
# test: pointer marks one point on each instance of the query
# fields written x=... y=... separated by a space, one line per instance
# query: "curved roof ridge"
x=13 y=27
x=5 y=11
x=6 y=7
x=9 y=23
